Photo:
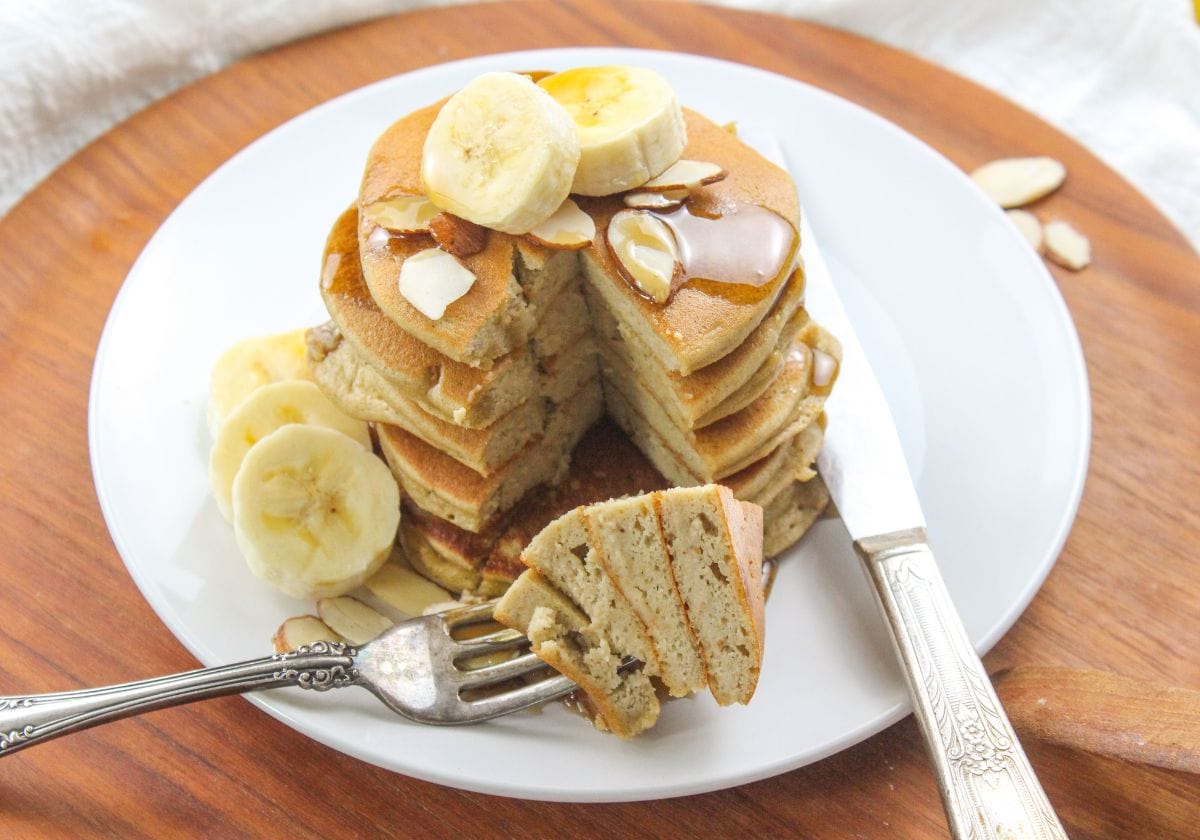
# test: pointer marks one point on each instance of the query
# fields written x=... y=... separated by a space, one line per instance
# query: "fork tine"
x=500 y=671
x=507 y=702
x=413 y=668
x=467 y=615
x=499 y=639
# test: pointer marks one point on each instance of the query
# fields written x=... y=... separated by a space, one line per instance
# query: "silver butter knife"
x=988 y=787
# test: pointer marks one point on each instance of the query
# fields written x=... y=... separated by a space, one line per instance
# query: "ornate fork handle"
x=987 y=785
x=25 y=721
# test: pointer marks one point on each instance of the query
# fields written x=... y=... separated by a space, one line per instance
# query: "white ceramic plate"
x=969 y=336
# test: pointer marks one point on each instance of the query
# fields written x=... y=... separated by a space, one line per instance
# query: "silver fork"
x=416 y=668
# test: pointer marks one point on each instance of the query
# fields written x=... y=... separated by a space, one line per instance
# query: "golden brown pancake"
x=702 y=321
x=622 y=702
x=448 y=572
x=478 y=411
x=671 y=578
x=361 y=391
x=722 y=448
x=604 y=465
x=443 y=486
x=792 y=513
x=498 y=313
x=724 y=387
x=447 y=388
x=766 y=478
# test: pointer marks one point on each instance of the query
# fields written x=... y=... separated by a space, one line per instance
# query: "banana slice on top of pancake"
x=501 y=153
x=630 y=125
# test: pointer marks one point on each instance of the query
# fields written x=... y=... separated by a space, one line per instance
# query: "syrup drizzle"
x=747 y=245
x=329 y=273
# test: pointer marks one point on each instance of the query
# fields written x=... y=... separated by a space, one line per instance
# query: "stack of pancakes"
x=481 y=413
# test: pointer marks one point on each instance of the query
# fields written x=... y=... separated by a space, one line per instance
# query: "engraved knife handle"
x=988 y=788
x=32 y=719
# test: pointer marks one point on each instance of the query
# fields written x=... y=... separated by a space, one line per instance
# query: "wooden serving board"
x=1122 y=598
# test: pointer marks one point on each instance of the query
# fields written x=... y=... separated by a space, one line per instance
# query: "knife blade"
x=862 y=461
x=988 y=788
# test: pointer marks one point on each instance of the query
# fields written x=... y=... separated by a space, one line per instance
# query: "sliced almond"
x=655 y=200
x=406 y=214
x=432 y=279
x=400 y=587
x=645 y=252
x=1028 y=226
x=353 y=619
x=302 y=630
x=1015 y=182
x=825 y=368
x=376 y=241
x=568 y=228
x=687 y=175
x=1067 y=246
x=458 y=236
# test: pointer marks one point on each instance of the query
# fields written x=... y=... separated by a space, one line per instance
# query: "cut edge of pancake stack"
x=479 y=397
x=672 y=579
x=464 y=443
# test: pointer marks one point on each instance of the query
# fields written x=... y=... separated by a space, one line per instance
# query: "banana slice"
x=264 y=411
x=314 y=513
x=501 y=153
x=250 y=364
x=630 y=125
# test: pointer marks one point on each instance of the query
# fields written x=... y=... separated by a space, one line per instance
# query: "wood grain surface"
x=1123 y=598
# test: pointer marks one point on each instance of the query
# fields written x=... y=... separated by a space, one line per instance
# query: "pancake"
x=446 y=488
x=724 y=387
x=703 y=321
x=559 y=376
x=499 y=312
x=671 y=578
x=791 y=514
x=766 y=478
x=630 y=546
x=622 y=702
x=449 y=389
x=722 y=448
x=449 y=572
x=562 y=554
x=604 y=465
x=478 y=412
x=362 y=392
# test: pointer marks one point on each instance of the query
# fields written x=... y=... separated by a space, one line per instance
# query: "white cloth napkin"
x=1121 y=76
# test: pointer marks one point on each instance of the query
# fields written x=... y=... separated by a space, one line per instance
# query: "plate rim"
x=866 y=729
